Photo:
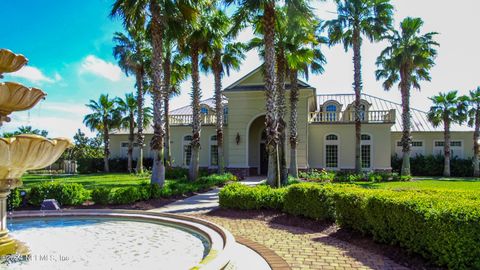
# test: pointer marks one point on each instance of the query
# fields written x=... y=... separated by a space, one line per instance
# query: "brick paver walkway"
x=304 y=249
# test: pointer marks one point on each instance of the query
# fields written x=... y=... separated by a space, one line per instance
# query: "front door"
x=263 y=159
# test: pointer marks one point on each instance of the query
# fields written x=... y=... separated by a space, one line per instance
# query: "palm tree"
x=265 y=9
x=132 y=51
x=103 y=118
x=220 y=57
x=407 y=60
x=26 y=130
x=156 y=13
x=302 y=56
x=473 y=100
x=193 y=44
x=447 y=108
x=358 y=18
x=128 y=107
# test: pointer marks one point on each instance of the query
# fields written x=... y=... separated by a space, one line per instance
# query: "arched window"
x=213 y=151
x=204 y=110
x=331 y=151
x=331 y=112
x=366 y=151
x=362 y=112
x=187 y=150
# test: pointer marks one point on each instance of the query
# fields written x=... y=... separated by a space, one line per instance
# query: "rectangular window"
x=214 y=155
x=331 y=156
x=439 y=144
x=417 y=144
x=366 y=156
x=187 y=154
x=456 y=143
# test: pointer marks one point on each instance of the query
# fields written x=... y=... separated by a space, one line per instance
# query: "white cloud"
x=94 y=65
x=35 y=75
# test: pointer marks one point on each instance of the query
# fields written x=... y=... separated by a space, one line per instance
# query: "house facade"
x=326 y=131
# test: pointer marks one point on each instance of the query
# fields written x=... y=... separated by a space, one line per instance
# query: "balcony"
x=186 y=119
x=345 y=117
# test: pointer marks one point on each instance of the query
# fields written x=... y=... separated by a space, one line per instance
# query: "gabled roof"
x=419 y=118
x=237 y=85
x=187 y=110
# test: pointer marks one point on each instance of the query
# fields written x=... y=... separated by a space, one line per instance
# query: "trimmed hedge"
x=441 y=225
x=14 y=199
x=433 y=166
x=64 y=193
x=310 y=200
x=259 y=197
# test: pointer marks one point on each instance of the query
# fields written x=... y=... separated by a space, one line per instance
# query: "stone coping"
x=221 y=241
x=274 y=261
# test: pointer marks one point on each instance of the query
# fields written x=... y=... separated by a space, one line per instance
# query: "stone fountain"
x=23 y=152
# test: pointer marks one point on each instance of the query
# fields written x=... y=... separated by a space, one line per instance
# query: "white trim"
x=337 y=143
x=372 y=151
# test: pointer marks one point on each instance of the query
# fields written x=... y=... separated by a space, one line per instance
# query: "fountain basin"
x=122 y=239
x=11 y=62
x=16 y=97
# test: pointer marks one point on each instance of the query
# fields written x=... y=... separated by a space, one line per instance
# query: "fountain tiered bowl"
x=11 y=62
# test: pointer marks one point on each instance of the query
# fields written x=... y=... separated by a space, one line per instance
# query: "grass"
x=469 y=184
x=89 y=181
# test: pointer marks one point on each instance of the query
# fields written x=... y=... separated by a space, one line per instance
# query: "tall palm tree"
x=473 y=100
x=265 y=9
x=303 y=55
x=447 y=108
x=356 y=19
x=193 y=44
x=103 y=118
x=128 y=107
x=131 y=51
x=220 y=57
x=407 y=60
x=155 y=13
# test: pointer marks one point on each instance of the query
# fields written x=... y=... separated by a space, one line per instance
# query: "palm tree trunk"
x=281 y=114
x=273 y=176
x=406 y=135
x=293 y=123
x=106 y=148
x=476 y=150
x=168 y=160
x=157 y=145
x=140 y=136
x=196 y=121
x=446 y=146
x=357 y=85
x=131 y=138
x=217 y=73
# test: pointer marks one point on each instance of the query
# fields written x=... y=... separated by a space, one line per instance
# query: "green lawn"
x=89 y=181
x=441 y=183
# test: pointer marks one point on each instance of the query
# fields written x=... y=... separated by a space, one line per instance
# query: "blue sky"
x=69 y=45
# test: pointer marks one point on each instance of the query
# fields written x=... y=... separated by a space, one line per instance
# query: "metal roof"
x=419 y=118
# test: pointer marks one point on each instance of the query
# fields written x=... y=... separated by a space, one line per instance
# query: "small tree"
x=104 y=117
x=447 y=108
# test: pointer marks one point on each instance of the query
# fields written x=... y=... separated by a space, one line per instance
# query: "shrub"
x=239 y=196
x=14 y=199
x=64 y=193
x=433 y=166
x=176 y=173
x=125 y=195
x=101 y=195
x=310 y=200
x=318 y=175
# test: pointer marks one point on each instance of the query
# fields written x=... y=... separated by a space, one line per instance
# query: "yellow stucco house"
x=325 y=131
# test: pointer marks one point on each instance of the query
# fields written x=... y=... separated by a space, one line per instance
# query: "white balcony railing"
x=349 y=117
x=186 y=119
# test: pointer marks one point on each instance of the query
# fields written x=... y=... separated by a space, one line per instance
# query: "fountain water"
x=23 y=152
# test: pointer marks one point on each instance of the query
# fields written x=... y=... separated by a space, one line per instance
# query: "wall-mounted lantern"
x=237 y=138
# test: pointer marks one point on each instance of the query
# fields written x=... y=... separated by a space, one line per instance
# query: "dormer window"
x=204 y=110
x=331 y=112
